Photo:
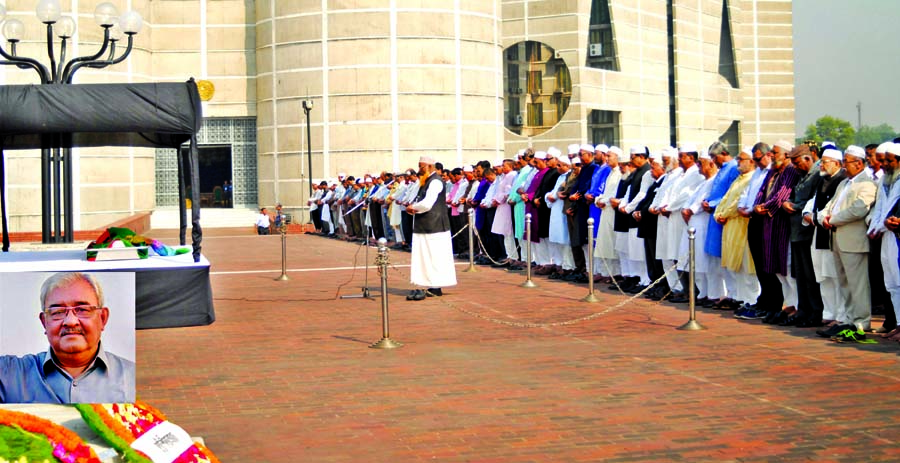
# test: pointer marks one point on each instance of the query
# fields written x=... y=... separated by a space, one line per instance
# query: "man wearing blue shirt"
x=75 y=368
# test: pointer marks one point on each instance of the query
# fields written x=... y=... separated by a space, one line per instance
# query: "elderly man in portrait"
x=75 y=368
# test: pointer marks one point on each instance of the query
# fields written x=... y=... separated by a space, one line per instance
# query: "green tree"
x=878 y=134
x=831 y=129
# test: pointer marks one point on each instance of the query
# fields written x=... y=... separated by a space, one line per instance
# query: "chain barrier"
x=460 y=231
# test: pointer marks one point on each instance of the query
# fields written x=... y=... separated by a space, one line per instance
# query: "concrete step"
x=167 y=218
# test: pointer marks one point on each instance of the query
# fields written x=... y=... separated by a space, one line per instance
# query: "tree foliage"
x=877 y=134
x=832 y=129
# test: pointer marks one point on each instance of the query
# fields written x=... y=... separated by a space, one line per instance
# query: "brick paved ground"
x=285 y=374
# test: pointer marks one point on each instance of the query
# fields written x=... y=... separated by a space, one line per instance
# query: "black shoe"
x=775 y=318
x=434 y=292
x=500 y=265
x=515 y=268
x=679 y=298
x=416 y=295
x=793 y=320
x=636 y=289
x=834 y=330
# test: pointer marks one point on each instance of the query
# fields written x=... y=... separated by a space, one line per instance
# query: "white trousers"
x=746 y=287
x=509 y=241
x=833 y=299
x=541 y=252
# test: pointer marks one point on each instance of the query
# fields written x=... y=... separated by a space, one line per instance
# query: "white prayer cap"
x=855 y=151
x=520 y=154
x=688 y=148
x=341 y=175
x=576 y=161
x=359 y=181
x=669 y=152
x=601 y=148
x=615 y=150
x=552 y=151
x=468 y=168
x=893 y=148
x=540 y=155
x=748 y=149
x=565 y=160
x=704 y=154
x=656 y=157
x=426 y=160
x=573 y=148
x=638 y=150
x=882 y=148
x=828 y=142
x=587 y=147
x=785 y=146
x=833 y=154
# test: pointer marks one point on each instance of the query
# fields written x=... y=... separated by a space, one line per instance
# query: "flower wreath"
x=121 y=424
x=26 y=438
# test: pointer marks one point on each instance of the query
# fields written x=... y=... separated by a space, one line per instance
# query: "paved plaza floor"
x=285 y=373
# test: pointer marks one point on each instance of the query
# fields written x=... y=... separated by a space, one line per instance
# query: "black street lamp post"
x=56 y=149
x=307 y=107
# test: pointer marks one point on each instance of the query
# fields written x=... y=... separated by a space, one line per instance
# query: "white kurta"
x=503 y=221
x=605 y=247
x=431 y=262
x=679 y=196
x=559 y=228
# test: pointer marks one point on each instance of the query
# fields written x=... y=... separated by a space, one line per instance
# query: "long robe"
x=559 y=231
x=776 y=189
x=679 y=195
x=721 y=182
x=503 y=220
x=530 y=207
x=735 y=247
x=598 y=184
x=431 y=261
x=605 y=246
x=518 y=203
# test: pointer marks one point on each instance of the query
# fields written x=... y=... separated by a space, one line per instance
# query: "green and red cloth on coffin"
x=115 y=237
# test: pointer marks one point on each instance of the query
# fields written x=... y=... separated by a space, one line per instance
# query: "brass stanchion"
x=528 y=283
x=590 y=265
x=283 y=276
x=692 y=324
x=471 y=227
x=382 y=261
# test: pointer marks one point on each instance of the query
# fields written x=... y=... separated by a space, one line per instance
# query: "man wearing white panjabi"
x=605 y=257
x=431 y=263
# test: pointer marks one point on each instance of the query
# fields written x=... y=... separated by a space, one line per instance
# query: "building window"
x=601 y=46
x=535 y=115
x=538 y=88
x=727 y=67
x=603 y=126
x=731 y=138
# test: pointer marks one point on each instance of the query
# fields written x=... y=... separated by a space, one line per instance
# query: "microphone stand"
x=365 y=242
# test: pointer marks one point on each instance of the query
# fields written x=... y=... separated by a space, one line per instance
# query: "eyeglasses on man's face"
x=83 y=312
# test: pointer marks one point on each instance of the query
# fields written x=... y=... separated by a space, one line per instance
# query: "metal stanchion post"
x=283 y=276
x=528 y=283
x=382 y=261
x=590 y=264
x=692 y=324
x=471 y=228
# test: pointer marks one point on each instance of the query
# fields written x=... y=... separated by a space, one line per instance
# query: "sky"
x=847 y=51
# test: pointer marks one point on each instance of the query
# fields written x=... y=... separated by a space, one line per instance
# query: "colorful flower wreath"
x=26 y=438
x=121 y=424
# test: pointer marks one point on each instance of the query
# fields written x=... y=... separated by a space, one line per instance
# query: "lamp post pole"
x=307 y=107
x=56 y=149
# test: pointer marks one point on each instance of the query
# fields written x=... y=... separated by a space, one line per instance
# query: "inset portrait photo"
x=67 y=337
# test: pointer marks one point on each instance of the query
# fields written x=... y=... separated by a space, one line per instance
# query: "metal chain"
x=565 y=322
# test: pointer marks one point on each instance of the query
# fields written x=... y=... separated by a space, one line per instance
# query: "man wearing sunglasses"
x=75 y=368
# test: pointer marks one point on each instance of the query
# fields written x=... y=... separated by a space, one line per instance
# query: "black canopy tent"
x=90 y=115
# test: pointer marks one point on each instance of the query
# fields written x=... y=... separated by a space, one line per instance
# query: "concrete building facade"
x=389 y=80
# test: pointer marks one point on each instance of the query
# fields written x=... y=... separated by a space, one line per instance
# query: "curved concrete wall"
x=390 y=80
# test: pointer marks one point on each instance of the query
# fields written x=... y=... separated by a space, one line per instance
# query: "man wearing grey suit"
x=845 y=216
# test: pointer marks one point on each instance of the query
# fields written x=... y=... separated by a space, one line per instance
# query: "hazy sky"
x=847 y=51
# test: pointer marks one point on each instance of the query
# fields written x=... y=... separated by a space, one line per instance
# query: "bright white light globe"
x=106 y=14
x=48 y=11
x=131 y=22
x=13 y=30
x=65 y=27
